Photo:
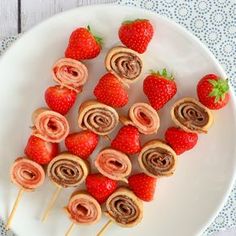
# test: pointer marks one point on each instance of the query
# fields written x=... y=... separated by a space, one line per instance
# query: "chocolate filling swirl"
x=98 y=117
x=124 y=208
x=192 y=116
x=157 y=159
x=67 y=170
x=124 y=62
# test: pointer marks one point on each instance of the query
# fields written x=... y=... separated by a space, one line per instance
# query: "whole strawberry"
x=82 y=143
x=41 y=151
x=60 y=99
x=159 y=87
x=180 y=140
x=100 y=187
x=110 y=91
x=127 y=140
x=83 y=44
x=136 y=34
x=143 y=186
x=213 y=92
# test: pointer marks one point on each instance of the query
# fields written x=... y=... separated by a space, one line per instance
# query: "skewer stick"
x=13 y=211
x=51 y=203
x=68 y=232
x=107 y=137
x=104 y=228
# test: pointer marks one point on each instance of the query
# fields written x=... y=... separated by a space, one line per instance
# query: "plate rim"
x=182 y=29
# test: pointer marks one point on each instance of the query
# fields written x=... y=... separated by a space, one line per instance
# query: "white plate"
x=185 y=203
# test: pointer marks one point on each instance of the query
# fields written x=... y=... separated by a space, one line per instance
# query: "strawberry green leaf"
x=164 y=73
x=132 y=21
x=219 y=90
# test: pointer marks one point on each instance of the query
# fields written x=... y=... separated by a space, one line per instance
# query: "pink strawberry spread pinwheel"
x=143 y=117
x=27 y=174
x=70 y=73
x=49 y=125
x=83 y=208
x=113 y=164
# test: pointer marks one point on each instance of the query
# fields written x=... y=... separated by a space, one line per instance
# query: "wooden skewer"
x=68 y=232
x=104 y=228
x=51 y=203
x=13 y=211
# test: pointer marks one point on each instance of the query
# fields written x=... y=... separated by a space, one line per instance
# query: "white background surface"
x=18 y=16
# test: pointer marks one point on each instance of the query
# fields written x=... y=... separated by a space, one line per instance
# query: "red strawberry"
x=180 y=140
x=110 y=91
x=60 y=99
x=213 y=92
x=100 y=187
x=41 y=151
x=83 y=44
x=82 y=143
x=143 y=186
x=159 y=87
x=136 y=34
x=127 y=140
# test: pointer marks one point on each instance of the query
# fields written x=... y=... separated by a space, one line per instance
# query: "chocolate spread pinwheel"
x=83 y=208
x=113 y=164
x=27 y=174
x=143 y=117
x=97 y=117
x=191 y=115
x=67 y=170
x=125 y=63
x=49 y=125
x=157 y=159
x=124 y=208
x=70 y=73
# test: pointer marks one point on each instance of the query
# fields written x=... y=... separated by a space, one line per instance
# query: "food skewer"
x=82 y=209
x=116 y=204
x=65 y=170
x=28 y=175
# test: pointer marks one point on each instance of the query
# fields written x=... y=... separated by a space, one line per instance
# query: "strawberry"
x=41 y=151
x=213 y=92
x=82 y=143
x=110 y=91
x=127 y=140
x=60 y=99
x=159 y=87
x=83 y=44
x=143 y=186
x=136 y=34
x=180 y=140
x=100 y=187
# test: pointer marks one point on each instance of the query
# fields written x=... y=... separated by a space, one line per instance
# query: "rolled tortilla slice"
x=144 y=117
x=70 y=73
x=83 y=208
x=97 y=117
x=125 y=63
x=67 y=170
x=113 y=164
x=124 y=208
x=157 y=159
x=191 y=115
x=49 y=125
x=27 y=174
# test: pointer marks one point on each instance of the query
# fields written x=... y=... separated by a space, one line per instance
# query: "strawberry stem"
x=220 y=88
x=98 y=39
x=163 y=73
